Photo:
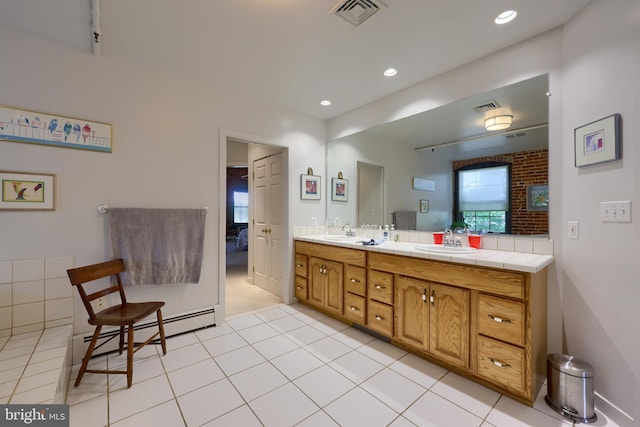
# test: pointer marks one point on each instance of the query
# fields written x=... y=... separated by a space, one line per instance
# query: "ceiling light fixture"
x=498 y=122
x=325 y=102
x=390 y=72
x=506 y=16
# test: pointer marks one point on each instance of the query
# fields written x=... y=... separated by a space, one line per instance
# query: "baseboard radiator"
x=173 y=325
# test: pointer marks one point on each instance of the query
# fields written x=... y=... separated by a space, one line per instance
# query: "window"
x=240 y=207
x=483 y=197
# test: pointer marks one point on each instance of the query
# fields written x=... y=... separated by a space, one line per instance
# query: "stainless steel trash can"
x=570 y=388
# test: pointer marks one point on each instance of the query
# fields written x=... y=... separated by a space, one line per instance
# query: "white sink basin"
x=342 y=238
x=441 y=249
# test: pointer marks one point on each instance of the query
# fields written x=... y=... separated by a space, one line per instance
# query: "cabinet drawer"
x=355 y=280
x=380 y=286
x=501 y=319
x=501 y=363
x=380 y=317
x=301 y=288
x=354 y=308
x=301 y=265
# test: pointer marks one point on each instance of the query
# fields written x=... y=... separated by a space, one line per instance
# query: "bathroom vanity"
x=482 y=315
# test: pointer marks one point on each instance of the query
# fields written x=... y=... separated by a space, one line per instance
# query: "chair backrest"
x=81 y=275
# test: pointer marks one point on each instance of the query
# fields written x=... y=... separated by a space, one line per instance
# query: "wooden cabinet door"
x=334 y=294
x=412 y=312
x=316 y=281
x=449 y=324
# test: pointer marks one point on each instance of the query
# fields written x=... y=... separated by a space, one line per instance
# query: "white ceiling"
x=292 y=53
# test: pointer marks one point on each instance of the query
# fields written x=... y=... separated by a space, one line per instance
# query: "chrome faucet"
x=449 y=240
x=350 y=232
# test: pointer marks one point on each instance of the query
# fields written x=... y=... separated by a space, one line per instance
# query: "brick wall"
x=527 y=168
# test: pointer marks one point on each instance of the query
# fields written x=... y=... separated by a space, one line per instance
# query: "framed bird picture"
x=24 y=191
x=19 y=125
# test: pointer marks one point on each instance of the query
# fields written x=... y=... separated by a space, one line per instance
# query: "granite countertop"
x=516 y=261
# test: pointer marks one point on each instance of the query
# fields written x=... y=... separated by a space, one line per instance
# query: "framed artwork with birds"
x=18 y=125
x=26 y=191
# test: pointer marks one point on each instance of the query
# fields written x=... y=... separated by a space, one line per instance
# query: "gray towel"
x=404 y=220
x=158 y=246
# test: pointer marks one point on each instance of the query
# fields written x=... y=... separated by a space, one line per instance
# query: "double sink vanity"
x=481 y=313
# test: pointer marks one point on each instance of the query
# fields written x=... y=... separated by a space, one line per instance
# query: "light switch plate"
x=573 y=230
x=615 y=211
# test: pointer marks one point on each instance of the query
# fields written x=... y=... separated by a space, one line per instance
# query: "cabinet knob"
x=354 y=308
x=499 y=319
x=380 y=287
x=355 y=281
x=298 y=287
x=299 y=265
x=499 y=364
x=380 y=318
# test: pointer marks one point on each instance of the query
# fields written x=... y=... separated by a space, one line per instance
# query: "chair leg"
x=161 y=328
x=87 y=355
x=130 y=346
x=121 y=340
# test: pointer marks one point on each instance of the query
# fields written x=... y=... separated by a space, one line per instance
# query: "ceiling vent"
x=486 y=107
x=356 y=11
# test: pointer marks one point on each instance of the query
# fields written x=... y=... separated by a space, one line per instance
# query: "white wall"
x=166 y=147
x=593 y=291
x=599 y=272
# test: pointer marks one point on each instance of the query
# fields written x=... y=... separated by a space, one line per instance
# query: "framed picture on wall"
x=310 y=187
x=424 y=206
x=537 y=197
x=24 y=191
x=32 y=127
x=598 y=141
x=339 y=189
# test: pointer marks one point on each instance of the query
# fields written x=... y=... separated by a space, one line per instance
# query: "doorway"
x=370 y=206
x=242 y=293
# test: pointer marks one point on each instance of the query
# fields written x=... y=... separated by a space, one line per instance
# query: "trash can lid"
x=570 y=365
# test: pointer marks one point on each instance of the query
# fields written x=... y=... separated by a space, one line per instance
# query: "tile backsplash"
x=510 y=243
x=35 y=294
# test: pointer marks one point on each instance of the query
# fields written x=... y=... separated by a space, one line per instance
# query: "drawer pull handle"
x=499 y=364
x=499 y=319
x=380 y=318
x=380 y=287
x=354 y=308
x=355 y=281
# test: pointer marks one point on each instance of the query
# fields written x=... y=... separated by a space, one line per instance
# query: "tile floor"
x=290 y=366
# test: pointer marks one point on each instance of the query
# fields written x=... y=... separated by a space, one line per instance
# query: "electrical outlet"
x=573 y=230
x=100 y=304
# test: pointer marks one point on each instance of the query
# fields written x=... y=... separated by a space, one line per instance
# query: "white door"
x=267 y=223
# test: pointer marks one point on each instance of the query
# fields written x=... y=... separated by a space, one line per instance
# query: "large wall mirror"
x=432 y=144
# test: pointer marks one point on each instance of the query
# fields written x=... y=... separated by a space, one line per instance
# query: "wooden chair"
x=125 y=314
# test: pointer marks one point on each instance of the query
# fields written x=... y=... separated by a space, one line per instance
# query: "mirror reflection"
x=436 y=148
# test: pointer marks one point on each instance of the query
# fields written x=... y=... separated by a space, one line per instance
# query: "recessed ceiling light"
x=325 y=102
x=506 y=16
x=390 y=72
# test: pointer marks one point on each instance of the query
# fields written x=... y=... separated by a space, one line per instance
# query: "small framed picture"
x=424 y=206
x=339 y=189
x=537 y=197
x=23 y=191
x=598 y=141
x=310 y=187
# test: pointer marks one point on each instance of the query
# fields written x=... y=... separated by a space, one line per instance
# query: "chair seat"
x=126 y=314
